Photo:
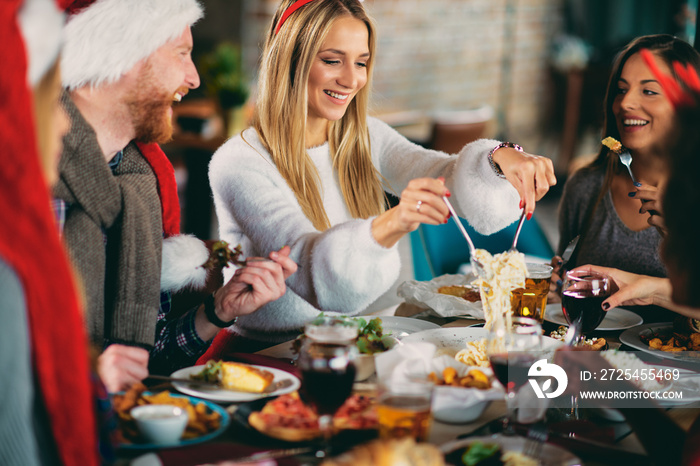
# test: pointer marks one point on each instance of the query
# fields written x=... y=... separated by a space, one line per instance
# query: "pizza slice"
x=288 y=418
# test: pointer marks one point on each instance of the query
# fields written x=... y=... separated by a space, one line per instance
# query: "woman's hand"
x=634 y=290
x=121 y=366
x=531 y=175
x=651 y=203
x=556 y=281
x=421 y=202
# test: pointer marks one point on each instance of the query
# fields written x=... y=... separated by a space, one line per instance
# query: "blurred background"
x=448 y=71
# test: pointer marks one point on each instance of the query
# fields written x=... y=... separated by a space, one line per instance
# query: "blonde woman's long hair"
x=282 y=107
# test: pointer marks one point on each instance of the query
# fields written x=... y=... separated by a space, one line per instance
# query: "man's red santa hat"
x=108 y=37
x=105 y=39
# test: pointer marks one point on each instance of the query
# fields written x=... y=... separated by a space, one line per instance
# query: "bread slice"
x=245 y=378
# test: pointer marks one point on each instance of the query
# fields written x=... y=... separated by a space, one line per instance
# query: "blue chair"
x=441 y=249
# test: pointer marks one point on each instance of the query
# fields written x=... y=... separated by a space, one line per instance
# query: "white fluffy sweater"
x=342 y=269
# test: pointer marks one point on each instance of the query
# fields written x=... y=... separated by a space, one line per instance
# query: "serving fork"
x=476 y=264
x=517 y=231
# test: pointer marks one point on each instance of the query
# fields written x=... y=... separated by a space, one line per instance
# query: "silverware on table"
x=280 y=384
x=537 y=436
x=272 y=454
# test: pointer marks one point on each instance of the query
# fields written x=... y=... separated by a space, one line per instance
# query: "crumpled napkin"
x=425 y=295
x=415 y=360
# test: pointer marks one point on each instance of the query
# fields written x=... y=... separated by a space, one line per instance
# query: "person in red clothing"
x=46 y=394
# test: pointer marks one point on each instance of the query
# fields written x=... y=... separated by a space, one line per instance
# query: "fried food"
x=461 y=291
x=201 y=419
x=474 y=379
x=612 y=144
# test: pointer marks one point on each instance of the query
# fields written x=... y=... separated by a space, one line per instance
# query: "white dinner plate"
x=615 y=319
x=398 y=326
x=550 y=454
x=287 y=382
x=451 y=340
x=631 y=338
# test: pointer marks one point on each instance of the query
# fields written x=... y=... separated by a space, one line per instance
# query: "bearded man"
x=124 y=63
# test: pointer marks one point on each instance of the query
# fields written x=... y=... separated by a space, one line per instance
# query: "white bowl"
x=457 y=409
x=364 y=363
x=160 y=424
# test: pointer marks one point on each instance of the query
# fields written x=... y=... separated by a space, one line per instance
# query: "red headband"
x=292 y=8
x=678 y=96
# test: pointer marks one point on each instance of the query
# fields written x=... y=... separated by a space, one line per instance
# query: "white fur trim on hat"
x=183 y=257
x=106 y=39
x=41 y=22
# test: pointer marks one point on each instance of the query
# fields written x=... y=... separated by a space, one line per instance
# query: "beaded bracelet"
x=493 y=164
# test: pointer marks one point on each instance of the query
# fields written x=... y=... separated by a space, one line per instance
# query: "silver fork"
x=476 y=264
x=517 y=231
x=537 y=435
x=626 y=159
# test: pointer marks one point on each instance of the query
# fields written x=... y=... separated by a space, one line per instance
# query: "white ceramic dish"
x=616 y=318
x=160 y=424
x=398 y=326
x=631 y=338
x=287 y=382
x=452 y=339
x=550 y=454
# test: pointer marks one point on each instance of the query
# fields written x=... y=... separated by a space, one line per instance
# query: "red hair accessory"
x=676 y=93
x=292 y=8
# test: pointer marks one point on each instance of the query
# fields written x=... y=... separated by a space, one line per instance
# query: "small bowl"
x=457 y=409
x=160 y=424
x=364 y=363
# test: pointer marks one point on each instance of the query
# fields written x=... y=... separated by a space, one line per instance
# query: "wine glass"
x=583 y=293
x=582 y=296
x=327 y=369
x=511 y=352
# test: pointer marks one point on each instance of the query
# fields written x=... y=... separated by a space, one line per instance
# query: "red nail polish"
x=520 y=206
x=529 y=216
x=441 y=178
x=448 y=193
x=446 y=218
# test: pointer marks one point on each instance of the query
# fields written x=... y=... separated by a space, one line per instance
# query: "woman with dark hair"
x=664 y=440
x=614 y=216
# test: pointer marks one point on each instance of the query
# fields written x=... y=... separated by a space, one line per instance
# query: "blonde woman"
x=312 y=172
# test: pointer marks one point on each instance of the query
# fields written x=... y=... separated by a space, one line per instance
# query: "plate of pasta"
x=468 y=342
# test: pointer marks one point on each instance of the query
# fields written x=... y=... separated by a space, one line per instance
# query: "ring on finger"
x=418 y=205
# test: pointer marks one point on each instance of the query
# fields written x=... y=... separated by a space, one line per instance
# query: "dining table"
x=594 y=439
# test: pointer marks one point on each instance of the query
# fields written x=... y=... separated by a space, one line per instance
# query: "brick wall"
x=453 y=55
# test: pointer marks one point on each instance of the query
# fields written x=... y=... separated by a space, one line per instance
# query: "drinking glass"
x=531 y=301
x=327 y=370
x=511 y=352
x=403 y=409
x=582 y=299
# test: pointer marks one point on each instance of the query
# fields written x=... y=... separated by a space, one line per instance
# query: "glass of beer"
x=403 y=409
x=531 y=300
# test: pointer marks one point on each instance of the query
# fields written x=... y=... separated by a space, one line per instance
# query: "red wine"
x=327 y=389
x=511 y=369
x=582 y=305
